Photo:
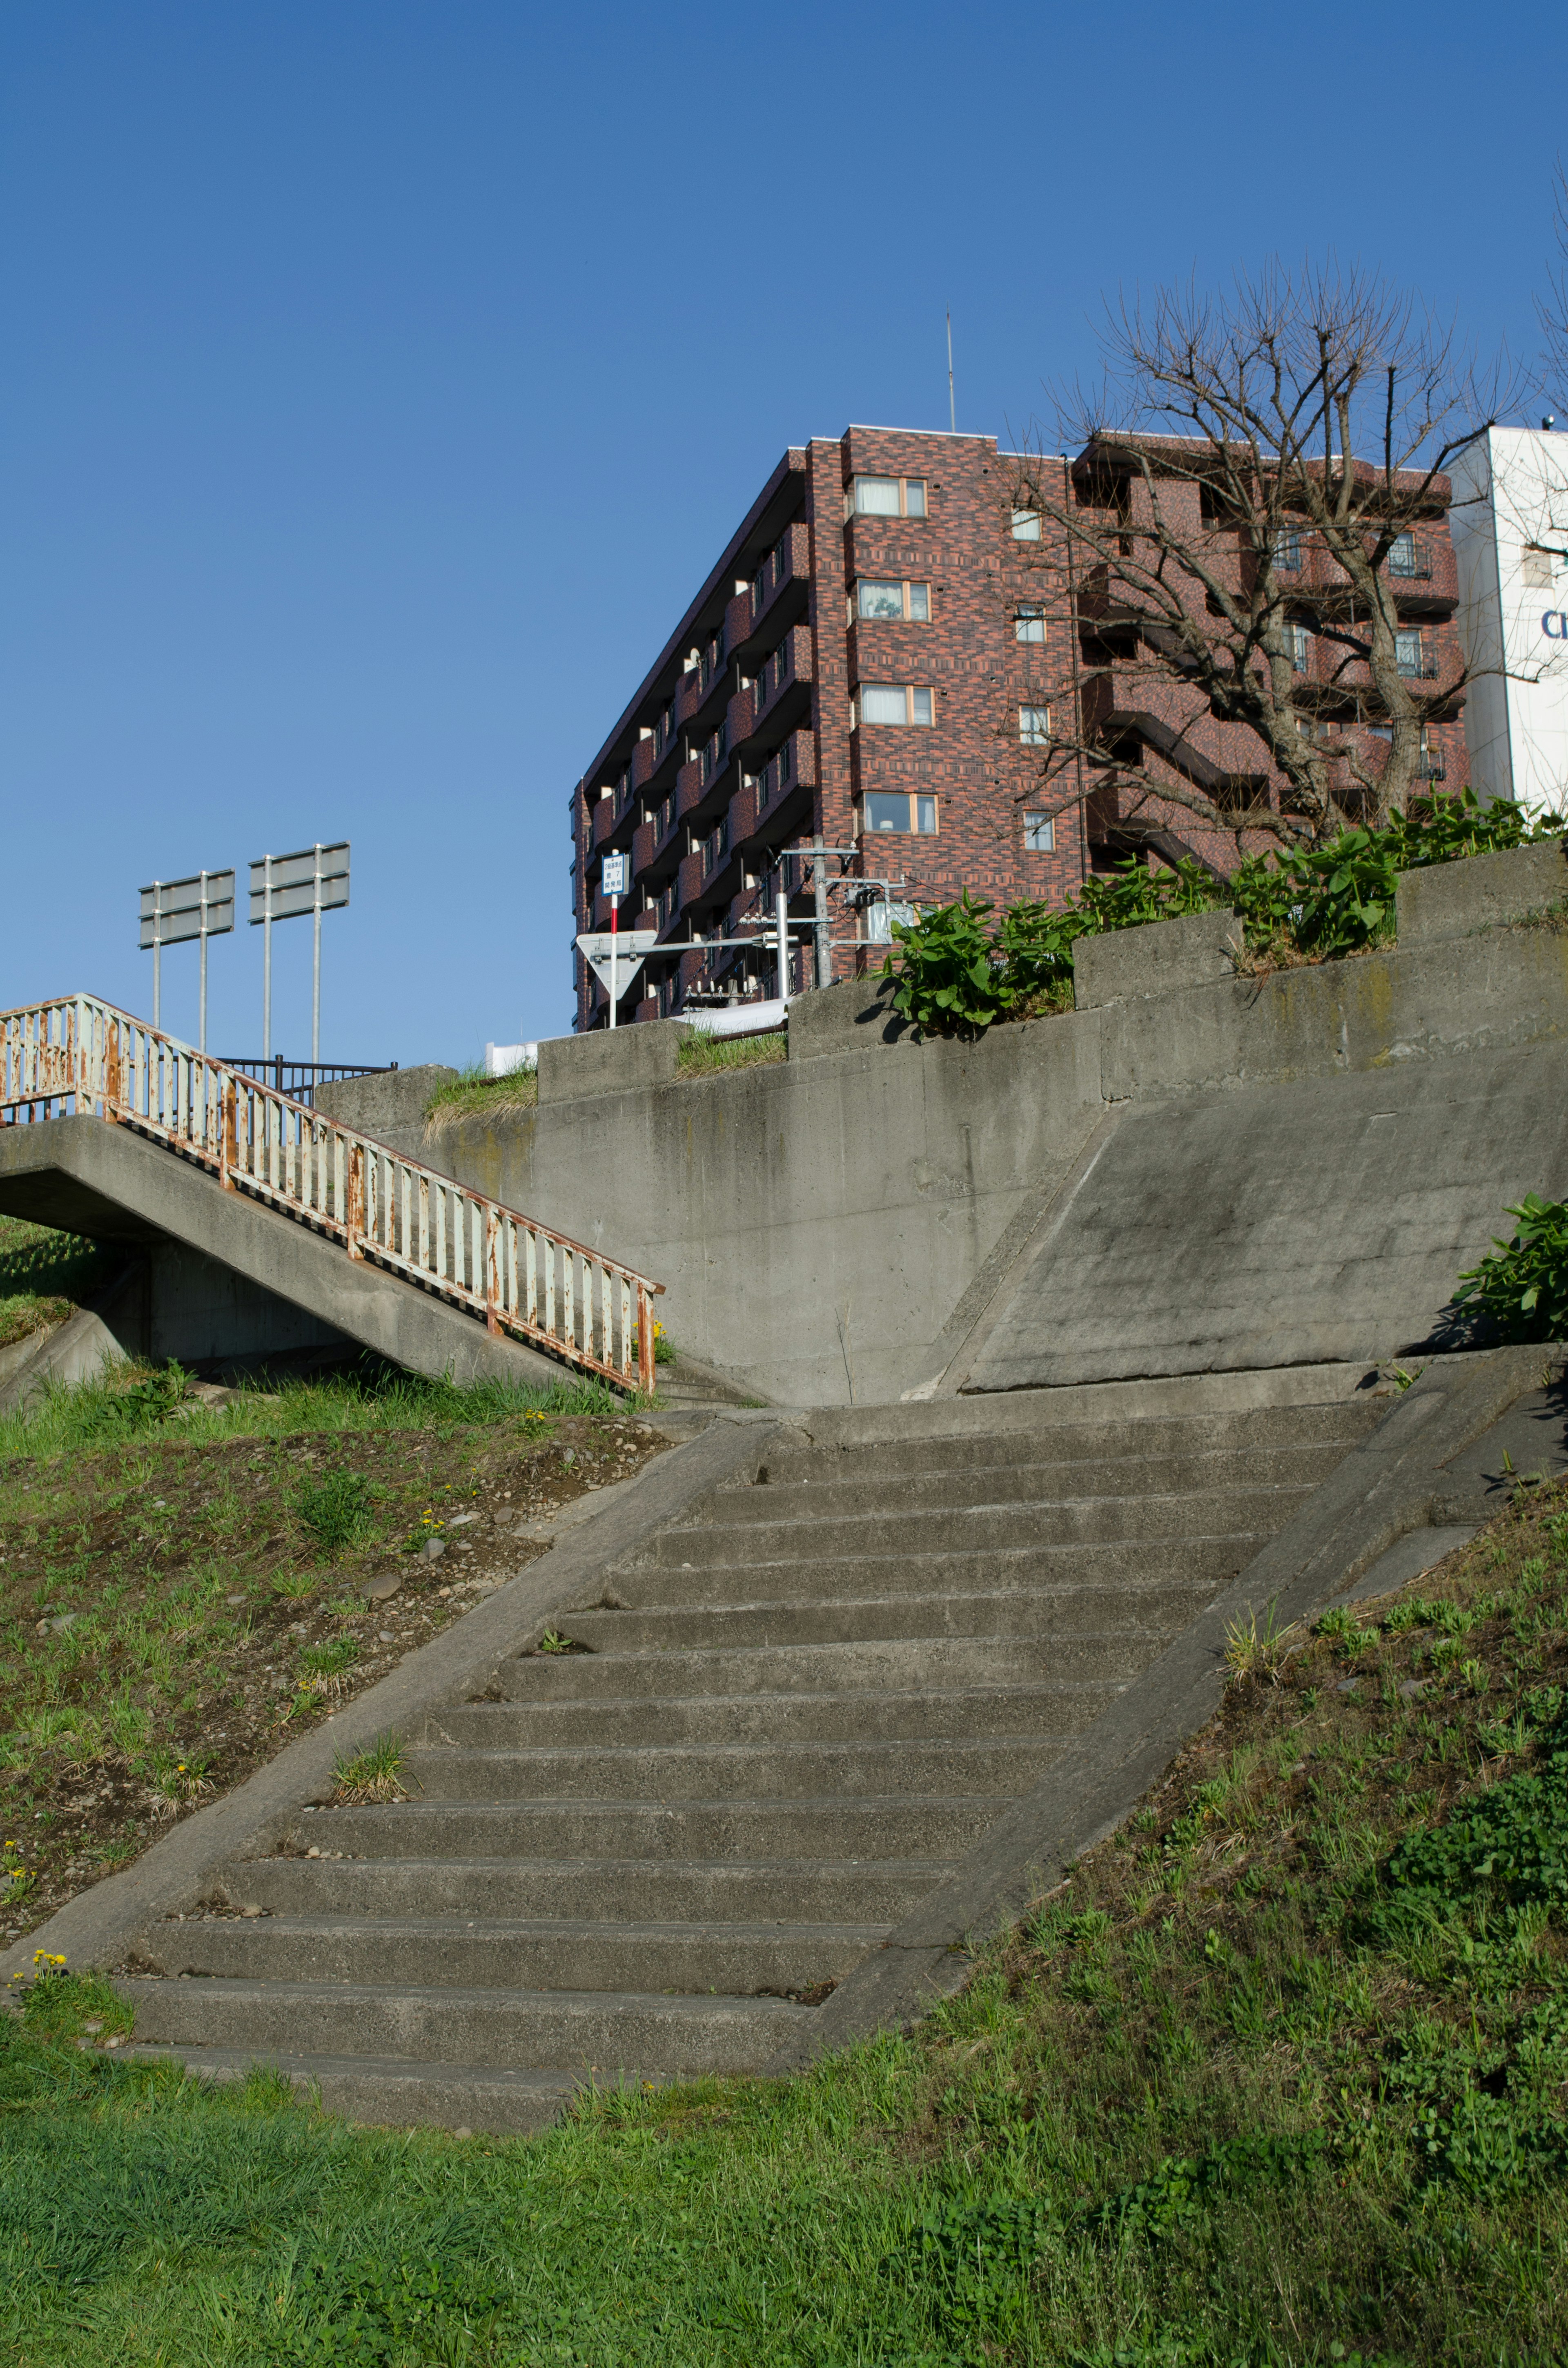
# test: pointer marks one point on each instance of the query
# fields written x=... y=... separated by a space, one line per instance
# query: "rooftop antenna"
x=952 y=415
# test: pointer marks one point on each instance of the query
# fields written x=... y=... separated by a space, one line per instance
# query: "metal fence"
x=298 y=1079
x=80 y=1057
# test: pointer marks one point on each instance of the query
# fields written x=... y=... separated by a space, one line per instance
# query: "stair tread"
x=389 y=2068
x=521 y=1927
x=687 y=2004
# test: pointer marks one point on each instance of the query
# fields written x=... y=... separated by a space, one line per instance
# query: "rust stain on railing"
x=79 y=1056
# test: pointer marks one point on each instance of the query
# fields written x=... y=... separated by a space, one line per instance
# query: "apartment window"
x=1297 y=639
x=1410 y=656
x=1039 y=834
x=1287 y=551
x=1034 y=726
x=888 y=497
x=1026 y=526
x=1029 y=623
x=891 y=703
x=900 y=602
x=914 y=816
x=1535 y=568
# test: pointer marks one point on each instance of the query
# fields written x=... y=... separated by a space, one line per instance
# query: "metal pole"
x=157 y=953
x=819 y=884
x=781 y=915
x=265 y=956
x=614 y=950
x=201 y=1037
x=315 y=973
x=952 y=415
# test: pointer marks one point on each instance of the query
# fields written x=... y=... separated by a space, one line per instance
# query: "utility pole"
x=818 y=885
x=952 y=410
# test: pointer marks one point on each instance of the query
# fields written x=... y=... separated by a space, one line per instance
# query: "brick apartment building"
x=874 y=661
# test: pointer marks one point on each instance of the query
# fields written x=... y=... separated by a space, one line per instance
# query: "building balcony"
x=644 y=761
x=787 y=567
x=740 y=716
x=786 y=666
x=603 y=823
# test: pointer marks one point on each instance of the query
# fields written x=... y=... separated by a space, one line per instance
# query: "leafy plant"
x=336 y=1510
x=1522 y=1284
x=950 y=980
x=119 y=1407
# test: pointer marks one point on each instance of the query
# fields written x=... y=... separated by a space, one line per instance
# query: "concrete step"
x=1157 y=1611
x=824 y=1578
x=1108 y=1439
x=897 y=1664
x=697 y=1891
x=944 y=1487
x=395 y=2092
x=974 y=1711
x=939 y=1826
x=756 y=1772
x=559 y=2030
x=478 y=1952
x=969 y=1527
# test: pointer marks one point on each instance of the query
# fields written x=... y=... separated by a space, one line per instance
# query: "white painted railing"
x=81 y=1057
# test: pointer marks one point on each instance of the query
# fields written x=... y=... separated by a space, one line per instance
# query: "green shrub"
x=1522 y=1284
x=954 y=977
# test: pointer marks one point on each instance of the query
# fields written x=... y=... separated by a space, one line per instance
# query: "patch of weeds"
x=336 y=1510
x=371 y=1774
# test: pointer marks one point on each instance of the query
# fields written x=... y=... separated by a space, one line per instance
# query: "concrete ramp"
x=1323 y=1221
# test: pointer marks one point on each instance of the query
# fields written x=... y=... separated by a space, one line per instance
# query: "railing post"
x=228 y=1143
x=356 y=1211
x=492 y=1279
x=645 y=1337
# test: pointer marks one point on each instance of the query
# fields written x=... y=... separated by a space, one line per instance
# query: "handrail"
x=515 y=1274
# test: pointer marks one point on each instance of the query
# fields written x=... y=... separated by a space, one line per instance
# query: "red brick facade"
x=755 y=731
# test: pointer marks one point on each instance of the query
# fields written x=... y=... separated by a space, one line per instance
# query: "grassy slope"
x=43 y=1276
x=472 y=1092
x=1234 y=2095
x=211 y=1563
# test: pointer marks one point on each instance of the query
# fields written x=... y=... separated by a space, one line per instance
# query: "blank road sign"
x=314 y=879
x=172 y=910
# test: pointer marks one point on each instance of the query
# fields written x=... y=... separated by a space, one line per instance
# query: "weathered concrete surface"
x=1197 y=951
x=110 y=1184
x=1448 y=899
x=76 y=1351
x=846 y=1019
x=1325 y=1220
x=814 y=1221
x=609 y=1060
x=388 y=1106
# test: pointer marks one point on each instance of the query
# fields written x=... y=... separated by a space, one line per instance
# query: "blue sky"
x=380 y=380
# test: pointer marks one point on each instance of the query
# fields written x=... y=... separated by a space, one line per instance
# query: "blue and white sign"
x=614 y=881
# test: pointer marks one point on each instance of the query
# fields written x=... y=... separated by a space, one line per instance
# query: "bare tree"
x=1240 y=577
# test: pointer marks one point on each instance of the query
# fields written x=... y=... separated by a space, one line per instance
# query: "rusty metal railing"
x=78 y=1056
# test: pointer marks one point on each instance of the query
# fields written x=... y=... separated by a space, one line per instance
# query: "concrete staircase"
x=653 y=1855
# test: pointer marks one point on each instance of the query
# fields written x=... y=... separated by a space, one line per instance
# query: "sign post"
x=283 y=887
x=615 y=868
x=173 y=910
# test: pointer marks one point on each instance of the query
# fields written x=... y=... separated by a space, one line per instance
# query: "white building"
x=1509 y=522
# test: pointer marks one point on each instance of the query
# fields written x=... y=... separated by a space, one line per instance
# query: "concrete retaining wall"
x=824 y=1224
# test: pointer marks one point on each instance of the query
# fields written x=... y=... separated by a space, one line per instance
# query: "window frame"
x=1033 y=824
x=905 y=585
x=910 y=692
x=1030 y=733
x=852 y=505
x=1030 y=613
x=1027 y=525
x=921 y=807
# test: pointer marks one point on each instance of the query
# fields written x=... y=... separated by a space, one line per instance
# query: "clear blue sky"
x=380 y=380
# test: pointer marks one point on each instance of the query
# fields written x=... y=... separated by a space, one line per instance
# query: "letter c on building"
x=1551 y=624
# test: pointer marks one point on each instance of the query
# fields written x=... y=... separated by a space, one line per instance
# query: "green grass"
x=182 y=1587
x=44 y=1275
x=1279 y=2077
x=710 y=1056
x=470 y=1092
